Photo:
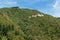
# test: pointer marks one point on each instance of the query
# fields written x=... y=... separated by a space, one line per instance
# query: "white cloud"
x=57 y=4
x=8 y=3
x=56 y=8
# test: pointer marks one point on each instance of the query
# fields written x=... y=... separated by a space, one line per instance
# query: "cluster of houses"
x=40 y=15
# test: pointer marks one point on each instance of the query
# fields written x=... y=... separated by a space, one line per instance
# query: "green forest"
x=28 y=24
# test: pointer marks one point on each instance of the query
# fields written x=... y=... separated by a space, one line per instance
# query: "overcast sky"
x=51 y=7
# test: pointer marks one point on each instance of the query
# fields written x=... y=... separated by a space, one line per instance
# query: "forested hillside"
x=27 y=24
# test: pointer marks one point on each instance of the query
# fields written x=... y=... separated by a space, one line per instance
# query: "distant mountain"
x=26 y=24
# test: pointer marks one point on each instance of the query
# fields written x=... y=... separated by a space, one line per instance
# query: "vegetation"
x=17 y=24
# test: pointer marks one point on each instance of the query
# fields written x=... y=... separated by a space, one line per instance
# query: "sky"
x=51 y=7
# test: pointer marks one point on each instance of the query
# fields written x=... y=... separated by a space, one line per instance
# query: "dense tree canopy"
x=27 y=24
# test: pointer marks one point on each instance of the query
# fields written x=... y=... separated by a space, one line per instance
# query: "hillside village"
x=37 y=15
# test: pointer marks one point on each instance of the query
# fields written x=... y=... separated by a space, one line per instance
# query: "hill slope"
x=26 y=24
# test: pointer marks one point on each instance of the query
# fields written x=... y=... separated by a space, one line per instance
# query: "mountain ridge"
x=26 y=24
